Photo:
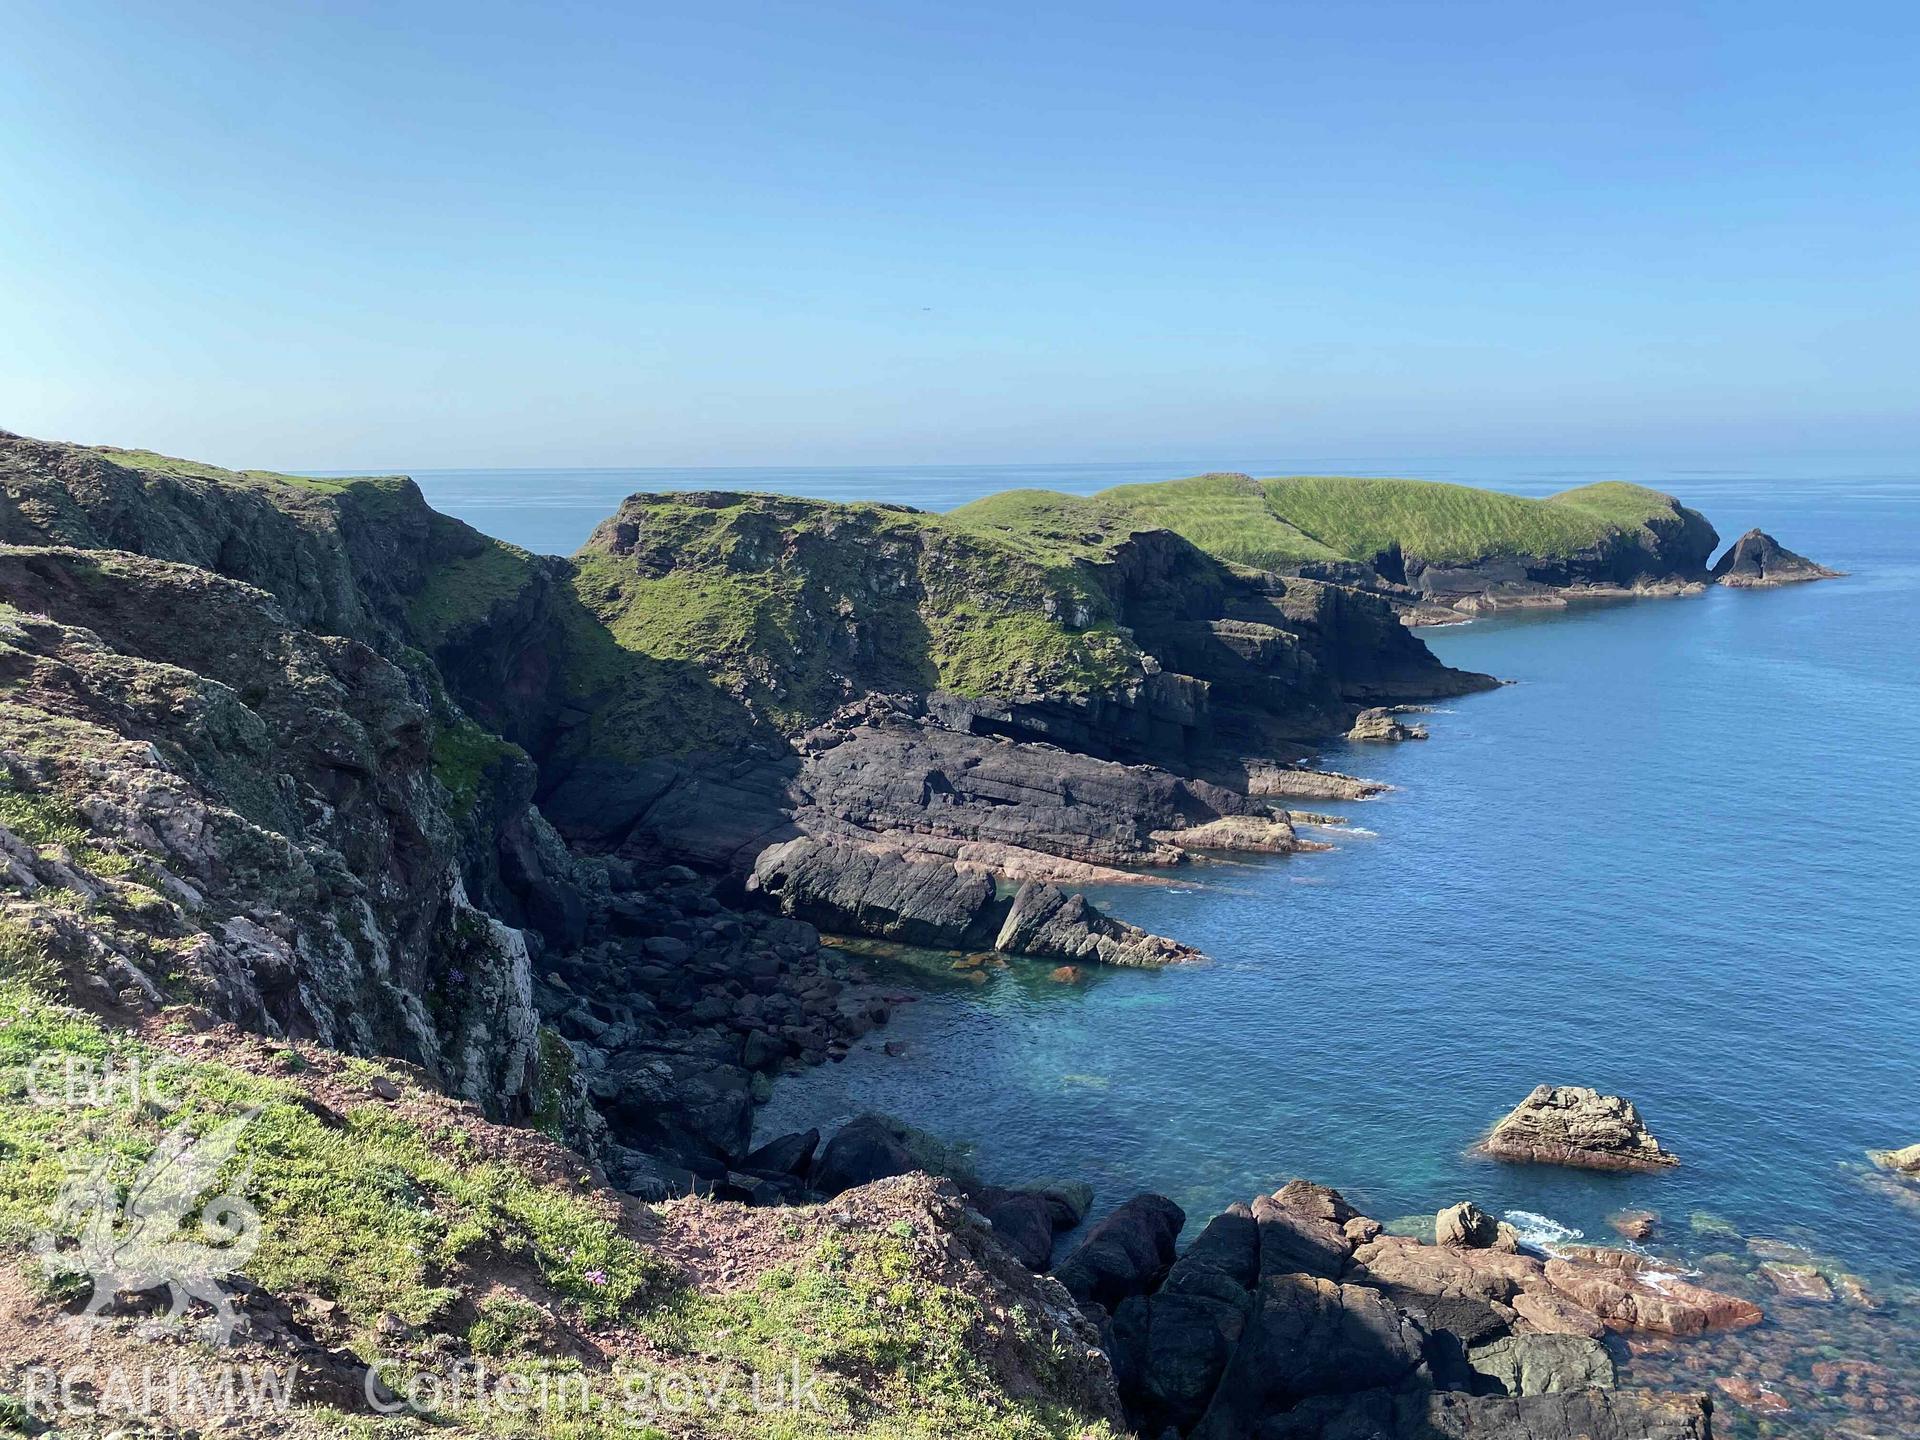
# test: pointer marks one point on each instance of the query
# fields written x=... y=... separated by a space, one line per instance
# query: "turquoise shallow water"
x=1676 y=860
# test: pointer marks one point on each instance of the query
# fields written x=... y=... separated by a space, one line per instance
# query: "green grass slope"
x=1226 y=515
x=1281 y=523
x=1455 y=523
x=792 y=605
x=401 y=1230
x=158 y=464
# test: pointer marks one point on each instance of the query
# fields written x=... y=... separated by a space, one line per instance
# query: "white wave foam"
x=1541 y=1232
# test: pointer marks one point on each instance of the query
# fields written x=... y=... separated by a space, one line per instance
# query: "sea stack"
x=1573 y=1125
x=1757 y=561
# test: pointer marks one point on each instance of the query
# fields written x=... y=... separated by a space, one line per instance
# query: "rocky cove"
x=665 y=766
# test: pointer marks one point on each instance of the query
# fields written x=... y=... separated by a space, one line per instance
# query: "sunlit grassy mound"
x=1281 y=524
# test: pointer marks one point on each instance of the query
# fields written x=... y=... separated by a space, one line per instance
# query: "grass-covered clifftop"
x=706 y=622
x=1283 y=524
x=800 y=605
x=398 y=1231
x=347 y=556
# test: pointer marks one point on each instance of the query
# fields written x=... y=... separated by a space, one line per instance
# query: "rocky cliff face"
x=234 y=776
x=204 y=801
x=717 y=674
x=1665 y=553
x=1276 y=661
x=275 y=745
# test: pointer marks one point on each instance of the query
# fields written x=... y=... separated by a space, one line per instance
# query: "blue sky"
x=414 y=235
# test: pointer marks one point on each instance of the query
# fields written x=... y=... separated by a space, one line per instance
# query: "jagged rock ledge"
x=875 y=892
x=1297 y=1316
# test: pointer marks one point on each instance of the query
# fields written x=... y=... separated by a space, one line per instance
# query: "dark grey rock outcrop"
x=895 y=771
x=1129 y=1252
x=1047 y=924
x=853 y=890
x=1024 y=1223
x=866 y=1149
x=858 y=891
x=1172 y=1347
x=1542 y=1364
x=1757 y=561
x=1310 y=1337
x=1298 y=1317
x=262 y=801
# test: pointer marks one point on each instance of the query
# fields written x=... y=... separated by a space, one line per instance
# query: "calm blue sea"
x=1676 y=860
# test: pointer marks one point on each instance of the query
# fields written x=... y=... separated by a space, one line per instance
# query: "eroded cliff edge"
x=307 y=756
x=442 y=792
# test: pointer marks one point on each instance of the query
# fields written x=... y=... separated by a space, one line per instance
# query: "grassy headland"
x=1281 y=524
x=784 y=600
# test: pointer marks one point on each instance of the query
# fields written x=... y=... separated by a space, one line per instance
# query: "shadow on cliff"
x=636 y=754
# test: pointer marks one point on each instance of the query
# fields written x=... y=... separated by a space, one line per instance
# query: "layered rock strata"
x=1576 y=1126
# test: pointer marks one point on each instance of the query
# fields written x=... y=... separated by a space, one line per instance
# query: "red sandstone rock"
x=1631 y=1292
x=1432 y=1269
x=1551 y=1313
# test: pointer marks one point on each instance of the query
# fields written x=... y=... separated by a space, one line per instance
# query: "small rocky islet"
x=297 y=770
x=1577 y=1126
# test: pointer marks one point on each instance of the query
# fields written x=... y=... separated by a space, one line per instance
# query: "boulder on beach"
x=1573 y=1125
x=1758 y=561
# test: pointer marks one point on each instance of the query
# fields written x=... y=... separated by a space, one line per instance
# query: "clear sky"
x=418 y=234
